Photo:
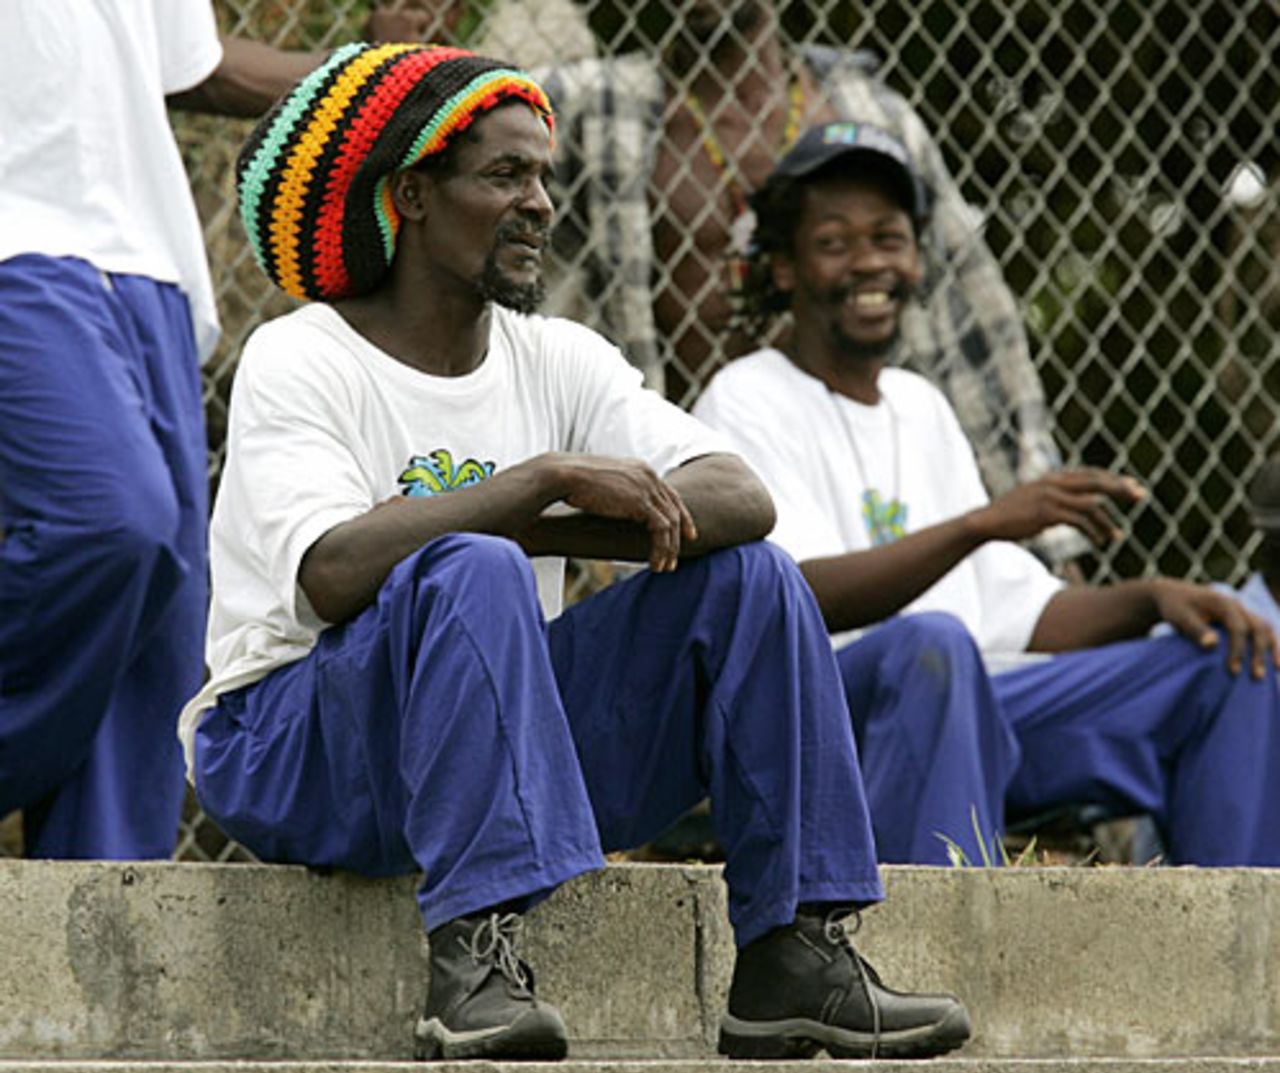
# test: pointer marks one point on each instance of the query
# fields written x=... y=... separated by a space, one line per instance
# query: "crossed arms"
x=552 y=504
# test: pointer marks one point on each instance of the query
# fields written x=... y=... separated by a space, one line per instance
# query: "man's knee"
x=933 y=631
x=471 y=567
x=757 y=566
x=925 y=658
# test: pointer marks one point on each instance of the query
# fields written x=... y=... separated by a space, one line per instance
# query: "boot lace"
x=834 y=931
x=494 y=942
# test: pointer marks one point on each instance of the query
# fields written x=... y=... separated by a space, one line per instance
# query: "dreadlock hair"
x=759 y=301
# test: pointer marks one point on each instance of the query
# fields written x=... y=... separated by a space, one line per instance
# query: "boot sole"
x=537 y=1035
x=801 y=1037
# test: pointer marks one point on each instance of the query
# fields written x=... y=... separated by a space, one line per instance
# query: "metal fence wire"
x=1119 y=158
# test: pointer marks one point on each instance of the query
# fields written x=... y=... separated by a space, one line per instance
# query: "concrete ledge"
x=703 y=1065
x=184 y=961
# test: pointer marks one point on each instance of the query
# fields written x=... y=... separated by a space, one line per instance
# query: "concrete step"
x=215 y=962
x=938 y=1065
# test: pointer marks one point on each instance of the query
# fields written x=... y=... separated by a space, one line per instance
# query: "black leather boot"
x=804 y=988
x=480 y=1003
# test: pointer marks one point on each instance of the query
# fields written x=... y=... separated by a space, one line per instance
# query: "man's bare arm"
x=253 y=75
x=250 y=79
x=619 y=508
x=725 y=502
x=1085 y=616
x=862 y=587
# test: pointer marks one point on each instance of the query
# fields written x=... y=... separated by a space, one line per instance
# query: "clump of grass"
x=997 y=852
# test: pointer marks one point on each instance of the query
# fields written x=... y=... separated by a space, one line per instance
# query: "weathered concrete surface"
x=169 y=961
x=703 y=1065
x=1101 y=961
x=247 y=961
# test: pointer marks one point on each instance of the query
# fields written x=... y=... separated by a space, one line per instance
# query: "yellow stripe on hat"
x=296 y=177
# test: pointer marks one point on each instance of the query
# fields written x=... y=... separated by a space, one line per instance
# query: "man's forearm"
x=343 y=570
x=1083 y=616
x=728 y=503
x=859 y=588
x=250 y=79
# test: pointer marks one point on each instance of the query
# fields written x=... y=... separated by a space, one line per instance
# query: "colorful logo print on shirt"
x=434 y=473
x=885 y=522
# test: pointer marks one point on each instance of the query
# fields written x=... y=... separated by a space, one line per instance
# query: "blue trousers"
x=103 y=503
x=449 y=729
x=1154 y=725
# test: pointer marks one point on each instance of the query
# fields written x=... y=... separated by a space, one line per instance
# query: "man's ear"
x=916 y=276
x=409 y=193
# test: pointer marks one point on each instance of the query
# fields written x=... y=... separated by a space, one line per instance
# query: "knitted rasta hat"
x=314 y=178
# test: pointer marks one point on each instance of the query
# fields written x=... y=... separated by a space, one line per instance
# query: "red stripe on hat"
x=376 y=110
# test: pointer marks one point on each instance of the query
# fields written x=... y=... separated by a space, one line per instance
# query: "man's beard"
x=859 y=349
x=862 y=351
x=496 y=286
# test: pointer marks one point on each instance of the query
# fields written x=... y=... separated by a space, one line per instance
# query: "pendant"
x=740 y=232
x=885 y=522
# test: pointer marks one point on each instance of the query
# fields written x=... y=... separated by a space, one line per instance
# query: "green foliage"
x=992 y=851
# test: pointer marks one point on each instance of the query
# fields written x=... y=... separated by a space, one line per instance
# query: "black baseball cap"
x=819 y=146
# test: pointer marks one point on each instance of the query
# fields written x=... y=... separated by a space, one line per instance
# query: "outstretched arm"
x=253 y=75
x=250 y=79
x=861 y=587
x=612 y=508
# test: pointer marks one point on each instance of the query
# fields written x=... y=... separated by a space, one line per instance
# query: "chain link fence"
x=1120 y=158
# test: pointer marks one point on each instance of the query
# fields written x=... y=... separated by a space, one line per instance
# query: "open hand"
x=1194 y=611
x=1077 y=497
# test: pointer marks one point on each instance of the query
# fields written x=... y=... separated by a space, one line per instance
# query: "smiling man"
x=410 y=456
x=879 y=500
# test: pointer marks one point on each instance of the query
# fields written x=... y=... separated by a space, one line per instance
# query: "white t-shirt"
x=819 y=452
x=324 y=426
x=88 y=164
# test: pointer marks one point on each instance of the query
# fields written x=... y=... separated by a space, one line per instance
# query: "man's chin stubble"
x=860 y=351
x=495 y=286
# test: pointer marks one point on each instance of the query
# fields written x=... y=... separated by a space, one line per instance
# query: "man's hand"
x=1194 y=610
x=628 y=489
x=1078 y=497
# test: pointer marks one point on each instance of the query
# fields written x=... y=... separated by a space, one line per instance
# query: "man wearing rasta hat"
x=879 y=500
x=409 y=458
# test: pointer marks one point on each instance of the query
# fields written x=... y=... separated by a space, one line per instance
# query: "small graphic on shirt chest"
x=885 y=521
x=434 y=473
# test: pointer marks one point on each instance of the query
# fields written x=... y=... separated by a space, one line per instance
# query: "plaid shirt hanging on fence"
x=967 y=336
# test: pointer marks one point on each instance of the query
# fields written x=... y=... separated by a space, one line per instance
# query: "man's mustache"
x=531 y=231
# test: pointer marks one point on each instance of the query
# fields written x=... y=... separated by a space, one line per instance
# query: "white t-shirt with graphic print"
x=324 y=426
x=819 y=453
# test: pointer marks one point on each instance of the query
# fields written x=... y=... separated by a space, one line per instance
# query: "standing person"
x=880 y=502
x=385 y=694
x=106 y=310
